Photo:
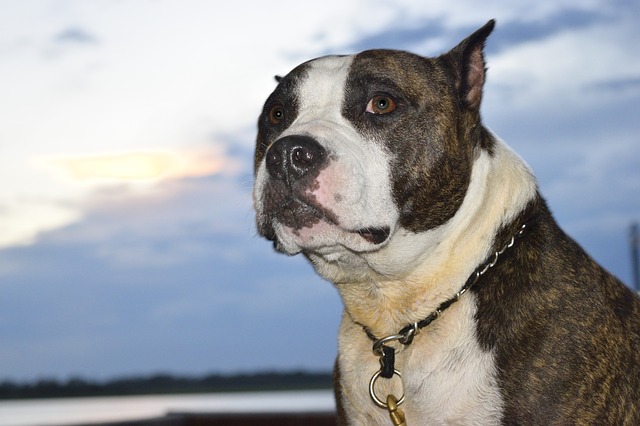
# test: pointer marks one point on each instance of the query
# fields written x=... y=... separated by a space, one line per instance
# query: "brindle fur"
x=566 y=333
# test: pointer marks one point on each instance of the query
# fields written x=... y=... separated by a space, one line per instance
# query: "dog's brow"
x=380 y=82
x=372 y=84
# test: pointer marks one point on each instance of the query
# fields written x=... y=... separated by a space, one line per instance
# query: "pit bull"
x=464 y=302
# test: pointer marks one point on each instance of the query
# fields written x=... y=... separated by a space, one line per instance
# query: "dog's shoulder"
x=566 y=333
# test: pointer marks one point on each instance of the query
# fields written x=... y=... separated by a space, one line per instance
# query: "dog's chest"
x=446 y=377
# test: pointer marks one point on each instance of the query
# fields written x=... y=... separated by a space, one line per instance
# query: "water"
x=69 y=411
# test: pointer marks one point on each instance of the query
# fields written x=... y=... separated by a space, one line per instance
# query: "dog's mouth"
x=312 y=227
x=375 y=235
x=296 y=220
x=299 y=214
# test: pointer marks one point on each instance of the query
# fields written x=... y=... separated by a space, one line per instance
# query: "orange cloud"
x=142 y=166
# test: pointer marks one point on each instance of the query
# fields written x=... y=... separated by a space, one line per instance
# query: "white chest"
x=446 y=377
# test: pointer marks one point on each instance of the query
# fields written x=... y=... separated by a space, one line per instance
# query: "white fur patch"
x=446 y=377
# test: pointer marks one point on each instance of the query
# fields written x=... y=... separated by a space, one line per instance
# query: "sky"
x=127 y=236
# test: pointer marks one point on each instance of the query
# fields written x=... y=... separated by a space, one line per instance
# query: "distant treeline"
x=165 y=384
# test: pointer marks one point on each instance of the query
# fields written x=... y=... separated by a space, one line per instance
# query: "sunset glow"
x=140 y=166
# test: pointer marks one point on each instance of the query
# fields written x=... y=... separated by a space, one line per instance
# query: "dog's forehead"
x=392 y=62
x=324 y=80
x=328 y=65
x=331 y=77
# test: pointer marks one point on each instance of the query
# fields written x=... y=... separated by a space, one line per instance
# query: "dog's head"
x=355 y=151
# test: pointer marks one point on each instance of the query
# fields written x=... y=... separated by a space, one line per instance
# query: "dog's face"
x=356 y=152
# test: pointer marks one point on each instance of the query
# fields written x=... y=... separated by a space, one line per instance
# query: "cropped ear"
x=467 y=59
x=278 y=78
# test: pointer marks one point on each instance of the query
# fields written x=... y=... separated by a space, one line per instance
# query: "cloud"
x=410 y=37
x=143 y=166
x=431 y=35
x=75 y=35
x=165 y=224
x=21 y=221
x=120 y=167
x=523 y=30
x=598 y=183
x=618 y=85
x=108 y=179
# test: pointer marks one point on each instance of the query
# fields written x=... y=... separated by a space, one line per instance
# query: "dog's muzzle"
x=292 y=165
x=304 y=194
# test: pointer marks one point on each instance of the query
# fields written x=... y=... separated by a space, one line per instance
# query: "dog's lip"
x=375 y=235
x=307 y=206
x=304 y=206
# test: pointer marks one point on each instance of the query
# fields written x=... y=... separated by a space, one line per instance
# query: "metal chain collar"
x=406 y=335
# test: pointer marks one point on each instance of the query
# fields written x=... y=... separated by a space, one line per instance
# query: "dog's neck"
x=406 y=334
x=415 y=273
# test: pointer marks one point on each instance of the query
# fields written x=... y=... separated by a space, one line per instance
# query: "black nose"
x=292 y=157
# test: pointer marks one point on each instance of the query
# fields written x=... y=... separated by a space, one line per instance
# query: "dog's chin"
x=325 y=239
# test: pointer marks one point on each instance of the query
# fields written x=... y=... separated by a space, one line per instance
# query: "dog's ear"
x=278 y=78
x=467 y=61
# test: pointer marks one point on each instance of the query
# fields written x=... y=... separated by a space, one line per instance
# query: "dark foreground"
x=235 y=419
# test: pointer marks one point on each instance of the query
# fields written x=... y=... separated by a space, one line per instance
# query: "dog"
x=464 y=302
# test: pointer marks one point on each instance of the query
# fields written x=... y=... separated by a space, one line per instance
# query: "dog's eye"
x=381 y=104
x=276 y=114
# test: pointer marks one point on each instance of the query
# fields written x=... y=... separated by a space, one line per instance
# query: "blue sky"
x=127 y=243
